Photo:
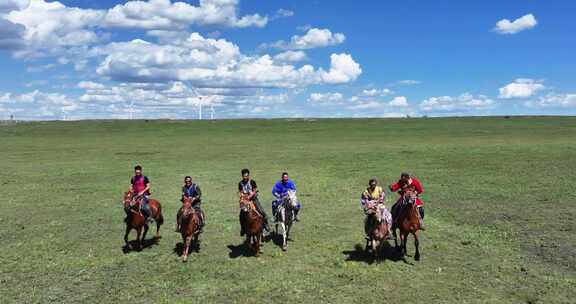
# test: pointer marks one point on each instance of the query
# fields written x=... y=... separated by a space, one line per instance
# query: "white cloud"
x=554 y=101
x=408 y=82
x=163 y=14
x=314 y=38
x=464 y=103
x=376 y=92
x=43 y=28
x=90 y=85
x=326 y=98
x=525 y=22
x=398 y=106
x=399 y=101
x=214 y=63
x=36 y=104
x=343 y=69
x=13 y=5
x=290 y=56
x=520 y=88
x=282 y=13
x=51 y=27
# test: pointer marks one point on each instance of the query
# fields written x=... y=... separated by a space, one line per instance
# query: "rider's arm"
x=276 y=191
x=395 y=187
x=146 y=189
x=418 y=186
x=198 y=194
x=254 y=189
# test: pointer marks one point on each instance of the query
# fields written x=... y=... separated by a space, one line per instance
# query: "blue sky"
x=254 y=58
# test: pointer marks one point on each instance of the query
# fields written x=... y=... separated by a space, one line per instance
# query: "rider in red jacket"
x=405 y=181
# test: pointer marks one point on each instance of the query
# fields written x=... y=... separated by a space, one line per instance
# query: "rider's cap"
x=405 y=174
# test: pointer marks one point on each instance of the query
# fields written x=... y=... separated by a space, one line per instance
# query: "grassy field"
x=499 y=194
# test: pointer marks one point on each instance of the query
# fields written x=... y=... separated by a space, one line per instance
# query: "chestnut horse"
x=408 y=222
x=252 y=223
x=377 y=229
x=135 y=218
x=189 y=226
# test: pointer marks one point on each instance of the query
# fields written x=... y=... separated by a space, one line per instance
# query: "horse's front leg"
x=403 y=241
x=145 y=232
x=139 y=237
x=416 y=244
x=186 y=248
x=128 y=246
x=284 y=243
x=257 y=244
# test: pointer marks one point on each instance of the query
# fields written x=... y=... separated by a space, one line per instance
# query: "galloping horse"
x=408 y=222
x=252 y=223
x=189 y=226
x=285 y=217
x=376 y=227
x=135 y=218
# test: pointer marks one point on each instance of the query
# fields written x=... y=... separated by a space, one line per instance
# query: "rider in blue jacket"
x=280 y=190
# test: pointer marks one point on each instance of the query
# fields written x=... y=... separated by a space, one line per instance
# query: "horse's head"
x=245 y=203
x=187 y=205
x=290 y=199
x=410 y=196
x=128 y=199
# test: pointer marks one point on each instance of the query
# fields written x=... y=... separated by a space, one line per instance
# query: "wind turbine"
x=131 y=109
x=211 y=112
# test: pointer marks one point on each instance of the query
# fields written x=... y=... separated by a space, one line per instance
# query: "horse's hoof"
x=284 y=248
x=417 y=257
x=184 y=260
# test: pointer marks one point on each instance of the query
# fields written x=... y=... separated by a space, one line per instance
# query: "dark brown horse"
x=377 y=229
x=408 y=222
x=189 y=226
x=135 y=218
x=252 y=224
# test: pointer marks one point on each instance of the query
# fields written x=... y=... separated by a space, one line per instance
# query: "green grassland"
x=499 y=193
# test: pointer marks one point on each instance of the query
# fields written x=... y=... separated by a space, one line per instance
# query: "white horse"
x=285 y=216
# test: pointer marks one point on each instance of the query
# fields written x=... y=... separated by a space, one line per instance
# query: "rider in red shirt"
x=140 y=186
x=405 y=181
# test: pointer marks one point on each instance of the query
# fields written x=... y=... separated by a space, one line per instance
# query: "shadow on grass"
x=359 y=254
x=179 y=248
x=241 y=250
x=133 y=245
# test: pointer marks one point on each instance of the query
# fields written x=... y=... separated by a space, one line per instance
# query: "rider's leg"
x=261 y=211
x=421 y=217
x=199 y=210
x=296 y=211
x=275 y=204
x=145 y=209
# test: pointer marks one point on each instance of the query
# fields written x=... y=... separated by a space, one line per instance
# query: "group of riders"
x=372 y=197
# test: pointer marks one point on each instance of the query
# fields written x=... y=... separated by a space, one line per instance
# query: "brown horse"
x=252 y=224
x=135 y=218
x=189 y=226
x=408 y=222
x=377 y=229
